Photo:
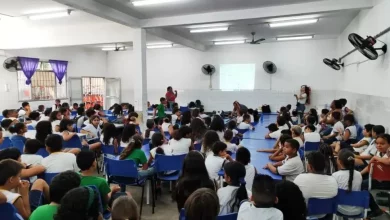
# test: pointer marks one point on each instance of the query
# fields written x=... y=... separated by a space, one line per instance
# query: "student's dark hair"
x=17 y=128
x=343 y=101
x=218 y=147
x=347 y=159
x=282 y=109
x=195 y=113
x=294 y=113
x=250 y=111
x=97 y=107
x=378 y=129
x=236 y=171
x=109 y=131
x=75 y=104
x=368 y=128
x=128 y=132
x=182 y=132
x=34 y=115
x=47 y=112
x=63 y=110
x=150 y=127
x=79 y=203
x=32 y=146
x=231 y=125
x=311 y=120
x=167 y=118
x=133 y=114
x=338 y=104
x=85 y=159
x=118 y=110
x=162 y=99
x=169 y=88
x=385 y=137
x=80 y=111
x=288 y=107
x=157 y=139
x=317 y=161
x=336 y=115
x=263 y=191
x=311 y=127
x=272 y=127
x=64 y=123
x=207 y=121
x=290 y=201
x=324 y=111
x=82 y=105
x=294 y=143
x=281 y=121
x=217 y=124
x=43 y=129
x=350 y=118
x=186 y=118
x=283 y=138
x=194 y=166
x=228 y=135
x=210 y=138
x=243 y=156
x=90 y=112
x=62 y=183
x=24 y=104
x=201 y=110
x=198 y=128
x=65 y=105
x=314 y=114
x=93 y=117
x=54 y=142
x=203 y=204
x=175 y=110
x=246 y=117
x=10 y=153
x=8 y=169
x=6 y=123
x=330 y=160
x=53 y=116
x=286 y=131
x=135 y=143
x=5 y=113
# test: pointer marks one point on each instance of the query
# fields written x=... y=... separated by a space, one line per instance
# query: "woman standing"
x=170 y=96
x=303 y=98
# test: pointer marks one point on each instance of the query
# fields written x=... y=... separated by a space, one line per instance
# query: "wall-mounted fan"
x=334 y=63
x=258 y=41
x=209 y=70
x=270 y=68
x=11 y=64
x=366 y=46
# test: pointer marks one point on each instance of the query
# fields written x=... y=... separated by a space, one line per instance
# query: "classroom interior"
x=118 y=52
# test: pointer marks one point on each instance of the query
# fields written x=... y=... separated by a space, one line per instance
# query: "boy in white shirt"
x=274 y=132
x=92 y=130
x=176 y=115
x=58 y=161
x=214 y=163
x=25 y=111
x=365 y=141
x=34 y=118
x=292 y=166
x=246 y=123
x=165 y=125
x=29 y=155
x=310 y=135
x=338 y=127
x=228 y=136
x=262 y=201
x=10 y=114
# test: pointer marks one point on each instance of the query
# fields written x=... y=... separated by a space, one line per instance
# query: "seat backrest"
x=379 y=171
x=29 y=127
x=116 y=167
x=146 y=141
x=100 y=197
x=242 y=131
x=311 y=146
x=184 y=109
x=74 y=142
x=321 y=206
x=6 y=143
x=167 y=163
x=111 y=118
x=48 y=177
x=198 y=146
x=353 y=198
x=8 y=212
x=231 y=216
x=18 y=144
x=108 y=149
x=43 y=152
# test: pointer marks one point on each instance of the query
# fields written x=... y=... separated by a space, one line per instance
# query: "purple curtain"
x=29 y=65
x=59 y=68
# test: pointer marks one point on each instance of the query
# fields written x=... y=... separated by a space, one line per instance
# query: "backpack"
x=265 y=109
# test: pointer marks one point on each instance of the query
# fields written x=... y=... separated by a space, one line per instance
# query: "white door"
x=113 y=92
x=75 y=90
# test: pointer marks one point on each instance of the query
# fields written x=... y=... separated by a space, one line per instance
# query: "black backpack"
x=265 y=109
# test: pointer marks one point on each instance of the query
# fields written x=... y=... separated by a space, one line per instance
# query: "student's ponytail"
x=236 y=171
x=351 y=172
x=241 y=195
x=135 y=142
x=147 y=133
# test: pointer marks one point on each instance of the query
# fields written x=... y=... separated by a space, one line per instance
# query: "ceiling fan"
x=258 y=41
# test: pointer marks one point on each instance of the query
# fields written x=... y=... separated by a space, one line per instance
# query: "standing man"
x=170 y=96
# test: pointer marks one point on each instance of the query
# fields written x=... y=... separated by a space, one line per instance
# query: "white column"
x=140 y=80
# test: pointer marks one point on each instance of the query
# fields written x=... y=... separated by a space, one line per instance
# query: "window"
x=44 y=85
x=237 y=77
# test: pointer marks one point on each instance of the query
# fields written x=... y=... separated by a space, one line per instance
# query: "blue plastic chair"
x=138 y=129
x=359 y=131
x=242 y=131
x=354 y=198
x=8 y=211
x=6 y=143
x=198 y=146
x=106 y=214
x=29 y=127
x=301 y=153
x=18 y=144
x=231 y=216
x=311 y=146
x=48 y=177
x=165 y=163
x=73 y=113
x=321 y=206
x=107 y=149
x=43 y=152
x=145 y=141
x=111 y=118
x=116 y=173
x=184 y=109
x=1 y=118
x=167 y=135
x=74 y=142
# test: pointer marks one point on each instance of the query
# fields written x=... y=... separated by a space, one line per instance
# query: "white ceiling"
x=17 y=8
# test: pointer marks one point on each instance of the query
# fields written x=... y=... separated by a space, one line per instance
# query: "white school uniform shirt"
x=361 y=149
x=22 y=113
x=6 y=134
x=370 y=150
x=299 y=141
x=244 y=125
x=165 y=126
x=181 y=146
x=59 y=162
x=231 y=147
x=220 y=135
x=151 y=133
x=319 y=186
x=284 y=127
x=248 y=211
x=342 y=177
x=167 y=150
x=352 y=131
x=249 y=176
x=31 y=159
x=174 y=118
x=11 y=196
x=96 y=131
x=312 y=137
x=213 y=165
x=291 y=168
x=208 y=153
x=336 y=128
x=240 y=119
x=225 y=195
x=276 y=134
x=252 y=118
x=303 y=100
x=55 y=123
x=235 y=132
x=44 y=118
x=204 y=116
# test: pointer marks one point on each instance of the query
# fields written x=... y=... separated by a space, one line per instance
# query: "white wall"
x=82 y=62
x=298 y=63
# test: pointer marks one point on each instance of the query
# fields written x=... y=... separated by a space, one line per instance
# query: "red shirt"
x=170 y=96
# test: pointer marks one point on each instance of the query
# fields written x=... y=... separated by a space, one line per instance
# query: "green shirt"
x=138 y=156
x=161 y=111
x=100 y=183
x=44 y=212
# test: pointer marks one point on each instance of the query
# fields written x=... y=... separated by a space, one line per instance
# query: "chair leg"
x=142 y=200
x=153 y=194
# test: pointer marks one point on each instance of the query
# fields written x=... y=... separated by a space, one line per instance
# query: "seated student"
x=6 y=124
x=25 y=110
x=345 y=109
x=228 y=136
x=214 y=163
x=10 y=182
x=166 y=124
x=202 y=114
x=246 y=123
x=250 y=113
x=10 y=114
x=218 y=125
x=316 y=184
x=150 y=129
x=109 y=135
x=338 y=128
x=311 y=135
x=365 y=141
x=348 y=179
x=232 y=125
x=181 y=142
x=198 y=130
x=175 y=116
x=243 y=156
x=59 y=186
x=193 y=176
x=55 y=119
x=290 y=201
x=34 y=118
x=75 y=106
x=278 y=154
x=18 y=130
x=231 y=196
x=202 y=204
x=324 y=113
x=124 y=207
x=86 y=161
x=133 y=152
x=292 y=166
x=274 y=132
x=261 y=206
x=312 y=120
x=349 y=135
x=41 y=109
x=80 y=118
x=58 y=161
x=46 y=115
x=296 y=132
x=240 y=116
x=65 y=112
x=207 y=122
x=364 y=157
x=195 y=114
x=128 y=132
x=29 y=155
x=158 y=146
x=330 y=161
x=93 y=129
x=210 y=138
x=282 y=122
x=294 y=117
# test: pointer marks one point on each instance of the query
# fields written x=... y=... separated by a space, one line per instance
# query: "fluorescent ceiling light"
x=293 y=23
x=295 y=38
x=113 y=48
x=293 y=18
x=157 y=46
x=50 y=15
x=229 y=42
x=208 y=25
x=215 y=29
x=151 y=2
x=43 y=10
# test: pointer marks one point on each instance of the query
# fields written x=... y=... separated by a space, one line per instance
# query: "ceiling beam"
x=256 y=13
